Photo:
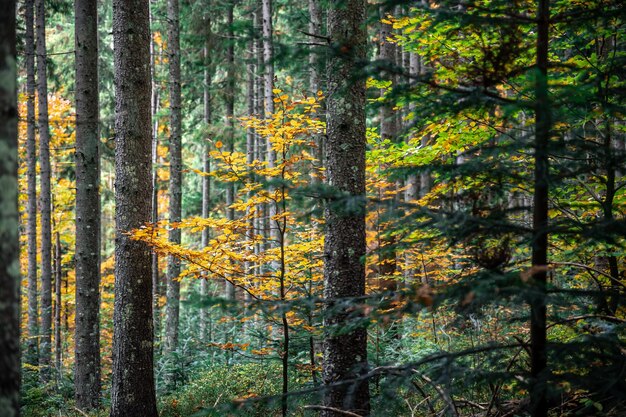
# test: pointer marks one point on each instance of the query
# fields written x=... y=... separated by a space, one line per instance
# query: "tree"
x=206 y=161
x=132 y=390
x=345 y=355
x=31 y=156
x=87 y=338
x=45 y=196
x=230 y=120
x=543 y=123
x=175 y=190
x=9 y=236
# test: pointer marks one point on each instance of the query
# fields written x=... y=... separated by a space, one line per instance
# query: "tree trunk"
x=44 y=196
x=206 y=163
x=315 y=28
x=388 y=131
x=173 y=263
x=58 y=277
x=538 y=356
x=156 y=284
x=229 y=288
x=132 y=389
x=250 y=267
x=9 y=232
x=345 y=355
x=31 y=158
x=87 y=338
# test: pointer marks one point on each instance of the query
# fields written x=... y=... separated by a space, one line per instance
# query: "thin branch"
x=336 y=410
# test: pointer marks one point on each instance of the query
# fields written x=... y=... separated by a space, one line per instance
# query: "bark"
x=412 y=181
x=87 y=337
x=9 y=235
x=229 y=289
x=315 y=28
x=31 y=158
x=58 y=277
x=345 y=355
x=132 y=389
x=44 y=194
x=250 y=267
x=268 y=67
x=173 y=263
x=538 y=355
x=388 y=131
x=156 y=284
x=206 y=163
x=260 y=148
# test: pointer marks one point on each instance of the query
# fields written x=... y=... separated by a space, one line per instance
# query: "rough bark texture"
x=132 y=390
x=173 y=263
x=31 y=162
x=9 y=238
x=538 y=356
x=87 y=336
x=345 y=356
x=44 y=193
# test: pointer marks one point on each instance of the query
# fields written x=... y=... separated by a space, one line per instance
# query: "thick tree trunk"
x=173 y=263
x=345 y=355
x=9 y=234
x=538 y=356
x=44 y=194
x=229 y=288
x=31 y=162
x=132 y=389
x=87 y=337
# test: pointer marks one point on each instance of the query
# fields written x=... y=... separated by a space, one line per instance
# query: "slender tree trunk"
x=58 y=277
x=345 y=355
x=9 y=233
x=260 y=146
x=206 y=163
x=315 y=28
x=156 y=284
x=31 y=158
x=539 y=405
x=173 y=263
x=230 y=120
x=250 y=267
x=132 y=389
x=388 y=131
x=87 y=337
x=44 y=194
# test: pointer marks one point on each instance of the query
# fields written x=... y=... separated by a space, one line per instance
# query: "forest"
x=312 y=208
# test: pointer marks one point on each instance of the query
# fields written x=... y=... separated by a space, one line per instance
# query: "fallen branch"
x=336 y=410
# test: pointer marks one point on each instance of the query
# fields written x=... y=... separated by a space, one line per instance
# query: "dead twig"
x=336 y=410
